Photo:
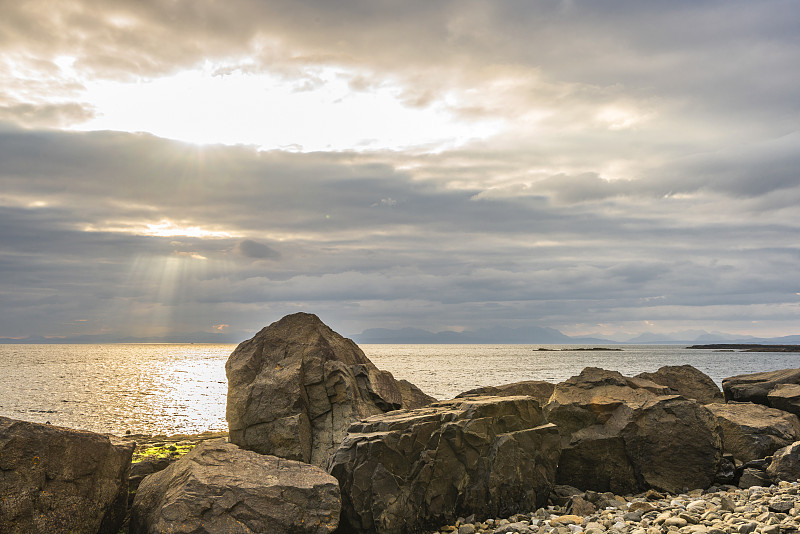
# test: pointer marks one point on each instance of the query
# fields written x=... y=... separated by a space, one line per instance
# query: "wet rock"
x=411 y=470
x=55 y=479
x=688 y=382
x=619 y=434
x=752 y=431
x=538 y=389
x=220 y=488
x=295 y=387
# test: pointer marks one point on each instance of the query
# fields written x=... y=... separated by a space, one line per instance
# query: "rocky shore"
x=321 y=441
x=728 y=510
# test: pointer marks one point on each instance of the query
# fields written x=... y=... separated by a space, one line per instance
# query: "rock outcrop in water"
x=628 y=435
x=411 y=470
x=295 y=387
x=219 y=488
x=55 y=479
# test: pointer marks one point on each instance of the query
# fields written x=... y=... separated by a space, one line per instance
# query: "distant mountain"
x=193 y=337
x=499 y=335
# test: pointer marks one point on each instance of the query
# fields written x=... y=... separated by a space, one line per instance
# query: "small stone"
x=566 y=520
x=467 y=528
x=653 y=495
x=747 y=528
x=641 y=506
x=678 y=522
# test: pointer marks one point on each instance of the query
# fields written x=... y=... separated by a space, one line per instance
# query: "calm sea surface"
x=176 y=388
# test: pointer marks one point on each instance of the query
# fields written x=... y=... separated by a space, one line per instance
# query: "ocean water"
x=181 y=388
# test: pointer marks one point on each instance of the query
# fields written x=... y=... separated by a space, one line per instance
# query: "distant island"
x=749 y=347
x=580 y=348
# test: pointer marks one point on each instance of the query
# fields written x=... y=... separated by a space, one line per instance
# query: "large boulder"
x=411 y=470
x=785 y=397
x=538 y=389
x=752 y=431
x=627 y=435
x=55 y=479
x=785 y=464
x=219 y=488
x=688 y=382
x=295 y=387
x=757 y=386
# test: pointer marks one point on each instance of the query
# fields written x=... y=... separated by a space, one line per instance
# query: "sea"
x=181 y=388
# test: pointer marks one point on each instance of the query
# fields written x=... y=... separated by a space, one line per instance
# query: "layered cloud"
x=598 y=165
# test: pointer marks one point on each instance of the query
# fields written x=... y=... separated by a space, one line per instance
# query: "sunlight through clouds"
x=319 y=112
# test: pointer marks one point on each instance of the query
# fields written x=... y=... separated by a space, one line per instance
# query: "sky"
x=602 y=167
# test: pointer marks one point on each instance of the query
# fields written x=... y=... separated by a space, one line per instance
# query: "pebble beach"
x=727 y=510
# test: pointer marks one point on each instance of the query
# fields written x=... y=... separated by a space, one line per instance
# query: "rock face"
x=785 y=397
x=757 y=386
x=219 y=488
x=538 y=389
x=785 y=464
x=54 y=479
x=626 y=435
x=752 y=431
x=295 y=387
x=410 y=470
x=688 y=382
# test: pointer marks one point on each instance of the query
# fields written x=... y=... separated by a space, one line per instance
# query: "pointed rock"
x=295 y=387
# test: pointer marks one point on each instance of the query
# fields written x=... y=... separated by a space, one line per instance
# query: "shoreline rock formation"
x=295 y=387
x=598 y=453
x=55 y=479
x=410 y=470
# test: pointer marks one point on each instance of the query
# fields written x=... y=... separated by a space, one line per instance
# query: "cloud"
x=256 y=250
x=641 y=165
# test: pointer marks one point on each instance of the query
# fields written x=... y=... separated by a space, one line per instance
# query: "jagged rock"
x=538 y=389
x=219 y=488
x=785 y=397
x=757 y=386
x=410 y=470
x=688 y=382
x=626 y=435
x=143 y=468
x=785 y=463
x=55 y=479
x=295 y=387
x=752 y=431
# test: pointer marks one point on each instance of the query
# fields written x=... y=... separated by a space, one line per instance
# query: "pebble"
x=757 y=510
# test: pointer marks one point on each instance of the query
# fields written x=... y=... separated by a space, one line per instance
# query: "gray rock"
x=410 y=470
x=219 y=488
x=752 y=431
x=538 y=389
x=619 y=434
x=756 y=387
x=785 y=397
x=785 y=463
x=55 y=479
x=688 y=382
x=753 y=477
x=295 y=387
